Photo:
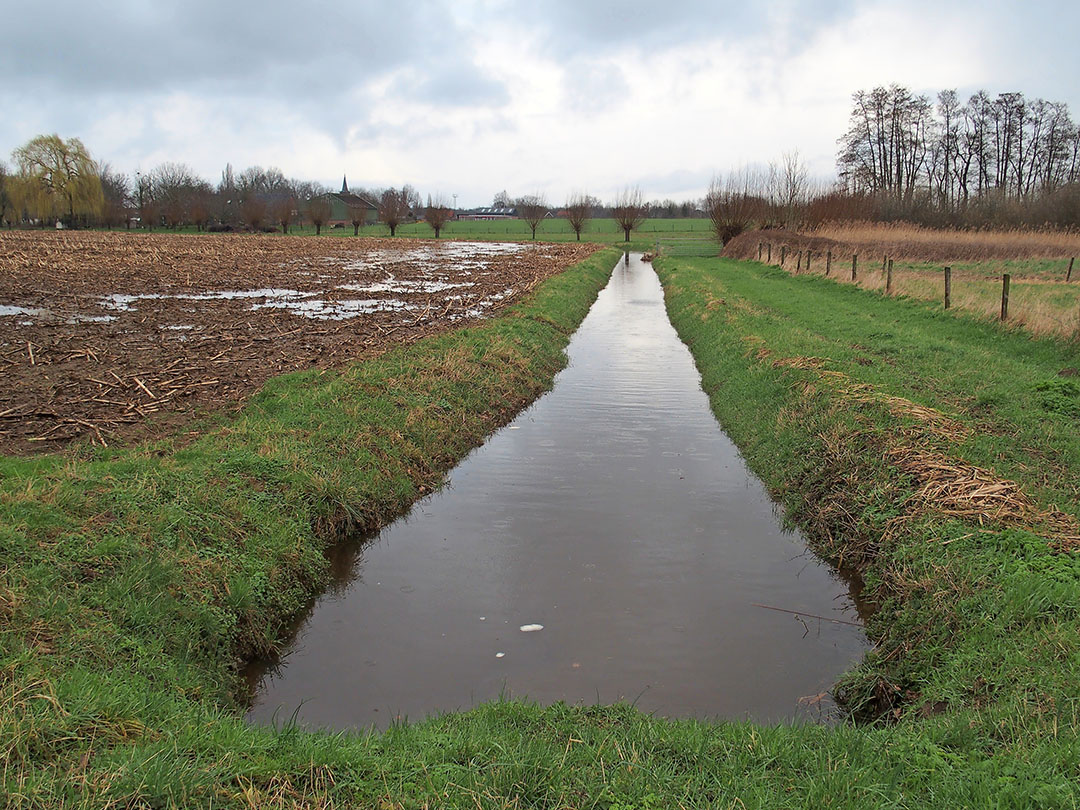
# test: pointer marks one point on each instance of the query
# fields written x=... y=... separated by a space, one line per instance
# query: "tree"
x=532 y=208
x=175 y=186
x=393 y=208
x=253 y=211
x=578 y=212
x=318 y=210
x=788 y=184
x=284 y=206
x=502 y=200
x=358 y=217
x=438 y=213
x=629 y=210
x=734 y=205
x=62 y=176
x=6 y=207
x=116 y=192
x=147 y=203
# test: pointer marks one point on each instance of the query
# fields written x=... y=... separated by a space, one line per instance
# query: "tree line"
x=989 y=160
x=57 y=181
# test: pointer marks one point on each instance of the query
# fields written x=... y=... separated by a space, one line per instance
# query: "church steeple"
x=344 y=185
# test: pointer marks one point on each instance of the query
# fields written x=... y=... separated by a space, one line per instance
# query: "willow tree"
x=578 y=212
x=629 y=210
x=532 y=208
x=61 y=178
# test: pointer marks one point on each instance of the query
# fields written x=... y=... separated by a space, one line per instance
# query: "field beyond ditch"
x=113 y=335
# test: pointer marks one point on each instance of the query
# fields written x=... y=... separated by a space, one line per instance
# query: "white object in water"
x=499 y=655
x=531 y=628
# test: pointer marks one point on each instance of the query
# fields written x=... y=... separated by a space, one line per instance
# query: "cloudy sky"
x=473 y=96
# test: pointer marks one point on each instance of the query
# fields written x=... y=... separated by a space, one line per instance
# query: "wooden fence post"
x=798 y=263
x=884 y=261
x=769 y=258
x=783 y=254
x=1068 y=276
x=808 y=252
x=854 y=265
x=759 y=246
x=948 y=287
x=888 y=279
x=1005 y=279
x=828 y=262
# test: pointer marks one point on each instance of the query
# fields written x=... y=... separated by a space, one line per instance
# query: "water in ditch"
x=609 y=544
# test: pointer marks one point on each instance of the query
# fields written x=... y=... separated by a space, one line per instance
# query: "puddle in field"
x=608 y=544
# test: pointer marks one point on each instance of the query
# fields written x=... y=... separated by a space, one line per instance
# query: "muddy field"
x=109 y=337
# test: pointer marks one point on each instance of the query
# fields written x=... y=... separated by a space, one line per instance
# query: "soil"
x=114 y=336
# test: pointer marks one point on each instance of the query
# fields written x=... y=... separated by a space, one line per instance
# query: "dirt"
x=114 y=336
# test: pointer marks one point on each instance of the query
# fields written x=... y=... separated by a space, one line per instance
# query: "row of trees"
x=57 y=180
x=947 y=156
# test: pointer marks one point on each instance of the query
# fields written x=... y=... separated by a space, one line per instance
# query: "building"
x=489 y=213
x=343 y=203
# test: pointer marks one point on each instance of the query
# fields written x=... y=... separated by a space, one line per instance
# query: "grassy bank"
x=131 y=579
x=937 y=453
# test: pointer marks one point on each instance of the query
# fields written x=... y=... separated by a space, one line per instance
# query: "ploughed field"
x=108 y=335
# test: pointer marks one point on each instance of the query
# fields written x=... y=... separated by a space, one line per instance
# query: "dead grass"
x=918 y=243
x=946 y=486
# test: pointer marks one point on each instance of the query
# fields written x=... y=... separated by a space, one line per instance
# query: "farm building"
x=490 y=213
x=343 y=203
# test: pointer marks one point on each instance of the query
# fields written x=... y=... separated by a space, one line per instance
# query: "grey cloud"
x=572 y=27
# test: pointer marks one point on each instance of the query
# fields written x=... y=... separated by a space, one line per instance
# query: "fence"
x=1044 y=305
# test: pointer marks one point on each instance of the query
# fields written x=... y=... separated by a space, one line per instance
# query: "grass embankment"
x=124 y=610
x=939 y=454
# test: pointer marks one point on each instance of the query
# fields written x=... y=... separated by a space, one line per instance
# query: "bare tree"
x=7 y=207
x=358 y=217
x=149 y=209
x=735 y=204
x=438 y=213
x=318 y=211
x=175 y=186
x=502 y=200
x=116 y=192
x=788 y=184
x=578 y=212
x=285 y=206
x=629 y=210
x=393 y=208
x=532 y=208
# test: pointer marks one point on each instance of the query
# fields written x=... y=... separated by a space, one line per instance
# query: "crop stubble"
x=99 y=331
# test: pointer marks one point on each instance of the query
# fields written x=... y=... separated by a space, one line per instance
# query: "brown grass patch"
x=946 y=486
x=961 y=490
x=918 y=243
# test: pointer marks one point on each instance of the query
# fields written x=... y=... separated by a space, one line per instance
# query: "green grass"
x=130 y=580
